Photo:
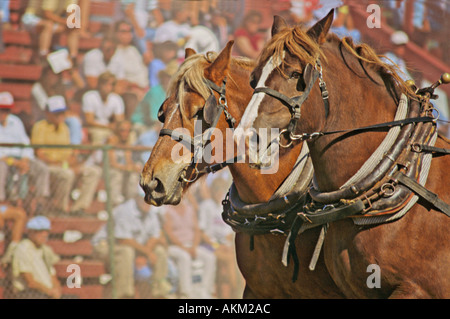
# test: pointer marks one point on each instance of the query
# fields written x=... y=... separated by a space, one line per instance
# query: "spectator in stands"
x=219 y=25
x=343 y=24
x=177 y=29
x=136 y=72
x=233 y=11
x=34 y=274
x=399 y=39
x=4 y=20
x=124 y=171
x=147 y=138
x=100 y=60
x=18 y=217
x=64 y=164
x=102 y=108
x=146 y=113
x=51 y=84
x=248 y=39
x=19 y=161
x=145 y=16
x=302 y=11
x=48 y=17
x=164 y=53
x=184 y=236
x=202 y=40
x=137 y=233
x=219 y=237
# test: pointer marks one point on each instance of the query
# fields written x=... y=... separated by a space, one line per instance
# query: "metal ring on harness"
x=279 y=139
x=193 y=179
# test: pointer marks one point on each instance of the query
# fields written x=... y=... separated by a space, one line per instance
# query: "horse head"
x=308 y=81
x=205 y=97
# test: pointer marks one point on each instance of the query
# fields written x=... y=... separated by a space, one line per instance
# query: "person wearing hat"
x=63 y=162
x=140 y=247
x=15 y=161
x=399 y=39
x=34 y=275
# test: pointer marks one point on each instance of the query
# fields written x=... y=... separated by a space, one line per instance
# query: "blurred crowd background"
x=102 y=84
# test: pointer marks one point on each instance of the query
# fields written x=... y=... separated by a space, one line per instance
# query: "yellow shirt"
x=45 y=133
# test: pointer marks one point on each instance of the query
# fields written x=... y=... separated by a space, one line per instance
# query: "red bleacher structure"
x=18 y=72
x=17 y=75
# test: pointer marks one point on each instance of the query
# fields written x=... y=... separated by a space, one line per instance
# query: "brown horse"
x=188 y=98
x=406 y=256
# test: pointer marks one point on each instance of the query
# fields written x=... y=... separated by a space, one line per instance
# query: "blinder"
x=212 y=110
x=310 y=75
x=160 y=115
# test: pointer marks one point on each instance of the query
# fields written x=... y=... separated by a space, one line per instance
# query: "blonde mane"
x=296 y=41
x=191 y=75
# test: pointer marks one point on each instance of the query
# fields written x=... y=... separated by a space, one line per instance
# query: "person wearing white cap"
x=399 y=39
x=16 y=161
x=34 y=275
x=63 y=163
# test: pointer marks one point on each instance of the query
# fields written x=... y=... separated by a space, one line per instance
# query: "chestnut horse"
x=164 y=179
x=346 y=90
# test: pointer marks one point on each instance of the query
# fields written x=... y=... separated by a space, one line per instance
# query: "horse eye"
x=199 y=114
x=252 y=81
x=296 y=75
x=161 y=116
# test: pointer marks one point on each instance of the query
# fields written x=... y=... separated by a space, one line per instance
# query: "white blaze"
x=251 y=112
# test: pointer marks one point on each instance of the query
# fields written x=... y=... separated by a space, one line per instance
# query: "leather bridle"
x=310 y=75
x=211 y=112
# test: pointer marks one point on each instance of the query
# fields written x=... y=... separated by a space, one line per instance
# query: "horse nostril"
x=159 y=187
x=151 y=186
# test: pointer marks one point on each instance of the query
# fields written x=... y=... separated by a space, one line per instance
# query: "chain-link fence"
x=90 y=201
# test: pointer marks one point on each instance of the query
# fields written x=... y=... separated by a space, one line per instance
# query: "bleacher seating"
x=78 y=252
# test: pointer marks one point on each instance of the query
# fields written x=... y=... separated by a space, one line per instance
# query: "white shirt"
x=130 y=223
x=211 y=222
x=94 y=65
x=103 y=111
x=135 y=70
x=203 y=40
x=172 y=31
x=38 y=261
x=14 y=132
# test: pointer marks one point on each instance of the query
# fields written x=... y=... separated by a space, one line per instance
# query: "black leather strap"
x=429 y=196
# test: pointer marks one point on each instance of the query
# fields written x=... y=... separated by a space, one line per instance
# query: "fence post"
x=110 y=223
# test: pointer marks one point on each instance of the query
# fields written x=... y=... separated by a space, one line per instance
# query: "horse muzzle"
x=158 y=193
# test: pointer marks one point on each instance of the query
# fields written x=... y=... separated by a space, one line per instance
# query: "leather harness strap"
x=429 y=196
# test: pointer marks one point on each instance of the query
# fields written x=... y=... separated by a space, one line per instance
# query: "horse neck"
x=355 y=101
x=251 y=184
x=255 y=187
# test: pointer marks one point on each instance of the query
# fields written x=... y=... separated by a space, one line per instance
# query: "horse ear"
x=278 y=24
x=319 y=31
x=220 y=65
x=188 y=52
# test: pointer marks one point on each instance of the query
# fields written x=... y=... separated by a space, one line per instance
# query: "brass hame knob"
x=445 y=78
